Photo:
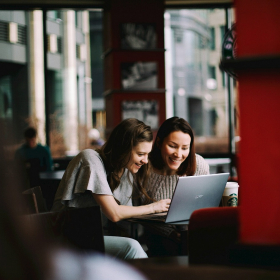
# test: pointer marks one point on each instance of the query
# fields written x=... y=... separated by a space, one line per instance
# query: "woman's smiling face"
x=139 y=156
x=174 y=150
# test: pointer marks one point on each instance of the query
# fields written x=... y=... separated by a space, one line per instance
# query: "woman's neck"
x=164 y=171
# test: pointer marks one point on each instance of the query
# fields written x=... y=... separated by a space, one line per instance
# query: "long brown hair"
x=188 y=167
x=116 y=152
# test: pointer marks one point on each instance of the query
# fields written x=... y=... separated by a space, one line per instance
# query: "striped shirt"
x=162 y=187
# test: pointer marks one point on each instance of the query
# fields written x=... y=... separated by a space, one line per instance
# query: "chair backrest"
x=33 y=169
x=34 y=201
x=77 y=227
x=211 y=234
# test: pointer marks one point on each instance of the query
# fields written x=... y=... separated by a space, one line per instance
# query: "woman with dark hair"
x=174 y=130
x=173 y=154
x=105 y=177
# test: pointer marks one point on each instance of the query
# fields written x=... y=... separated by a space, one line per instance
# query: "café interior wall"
x=117 y=12
x=257 y=25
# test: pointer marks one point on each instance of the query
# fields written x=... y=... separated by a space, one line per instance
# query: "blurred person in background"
x=31 y=149
x=27 y=253
x=95 y=140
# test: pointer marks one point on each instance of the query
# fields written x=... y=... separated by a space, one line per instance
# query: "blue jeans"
x=123 y=248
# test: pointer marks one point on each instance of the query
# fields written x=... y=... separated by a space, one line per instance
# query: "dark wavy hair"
x=188 y=167
x=30 y=132
x=116 y=152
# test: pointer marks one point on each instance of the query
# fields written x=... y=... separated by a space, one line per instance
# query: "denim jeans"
x=123 y=248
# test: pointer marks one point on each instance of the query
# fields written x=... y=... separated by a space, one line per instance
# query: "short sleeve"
x=84 y=175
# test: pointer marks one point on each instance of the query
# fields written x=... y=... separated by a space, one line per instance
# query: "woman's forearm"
x=115 y=212
x=125 y=212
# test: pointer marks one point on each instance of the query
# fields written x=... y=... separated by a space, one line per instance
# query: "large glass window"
x=45 y=77
x=52 y=85
x=196 y=88
x=96 y=48
x=14 y=91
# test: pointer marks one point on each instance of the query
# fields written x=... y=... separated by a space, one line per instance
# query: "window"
x=222 y=31
x=55 y=99
x=199 y=92
x=212 y=72
x=212 y=38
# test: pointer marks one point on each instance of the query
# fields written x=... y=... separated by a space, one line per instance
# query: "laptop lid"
x=195 y=192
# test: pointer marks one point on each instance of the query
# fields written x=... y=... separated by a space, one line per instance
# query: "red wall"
x=258 y=23
x=113 y=62
x=134 y=11
x=258 y=26
x=117 y=12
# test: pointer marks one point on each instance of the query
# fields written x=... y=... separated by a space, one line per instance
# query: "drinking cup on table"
x=230 y=195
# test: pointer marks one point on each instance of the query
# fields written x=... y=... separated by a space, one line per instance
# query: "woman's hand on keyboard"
x=161 y=205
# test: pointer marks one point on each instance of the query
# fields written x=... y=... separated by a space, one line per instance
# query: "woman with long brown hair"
x=105 y=177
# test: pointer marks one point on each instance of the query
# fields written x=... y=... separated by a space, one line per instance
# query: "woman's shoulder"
x=89 y=154
x=199 y=158
x=88 y=157
x=202 y=167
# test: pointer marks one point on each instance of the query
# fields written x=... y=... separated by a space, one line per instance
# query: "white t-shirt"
x=85 y=175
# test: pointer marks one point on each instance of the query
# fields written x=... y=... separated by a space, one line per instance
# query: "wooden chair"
x=80 y=228
x=34 y=201
x=211 y=234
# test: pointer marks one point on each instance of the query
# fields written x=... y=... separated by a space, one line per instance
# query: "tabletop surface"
x=52 y=175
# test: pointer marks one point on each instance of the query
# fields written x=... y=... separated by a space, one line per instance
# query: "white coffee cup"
x=230 y=195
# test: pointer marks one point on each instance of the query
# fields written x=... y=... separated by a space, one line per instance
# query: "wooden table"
x=178 y=268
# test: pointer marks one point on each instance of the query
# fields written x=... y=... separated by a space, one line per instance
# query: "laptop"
x=191 y=193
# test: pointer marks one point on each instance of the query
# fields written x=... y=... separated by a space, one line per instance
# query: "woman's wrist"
x=151 y=208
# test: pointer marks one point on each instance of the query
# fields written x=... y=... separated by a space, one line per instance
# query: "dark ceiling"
x=20 y=4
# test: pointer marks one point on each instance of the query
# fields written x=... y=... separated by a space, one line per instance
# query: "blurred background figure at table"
x=28 y=253
x=95 y=139
x=31 y=149
x=173 y=155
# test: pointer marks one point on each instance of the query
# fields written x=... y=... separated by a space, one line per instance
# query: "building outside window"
x=196 y=88
x=65 y=99
x=46 y=85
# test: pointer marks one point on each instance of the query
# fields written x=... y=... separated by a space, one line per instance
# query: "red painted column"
x=258 y=29
x=117 y=13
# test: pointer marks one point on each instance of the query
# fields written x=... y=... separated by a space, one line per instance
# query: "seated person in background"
x=28 y=253
x=32 y=150
x=95 y=140
x=105 y=177
x=173 y=155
